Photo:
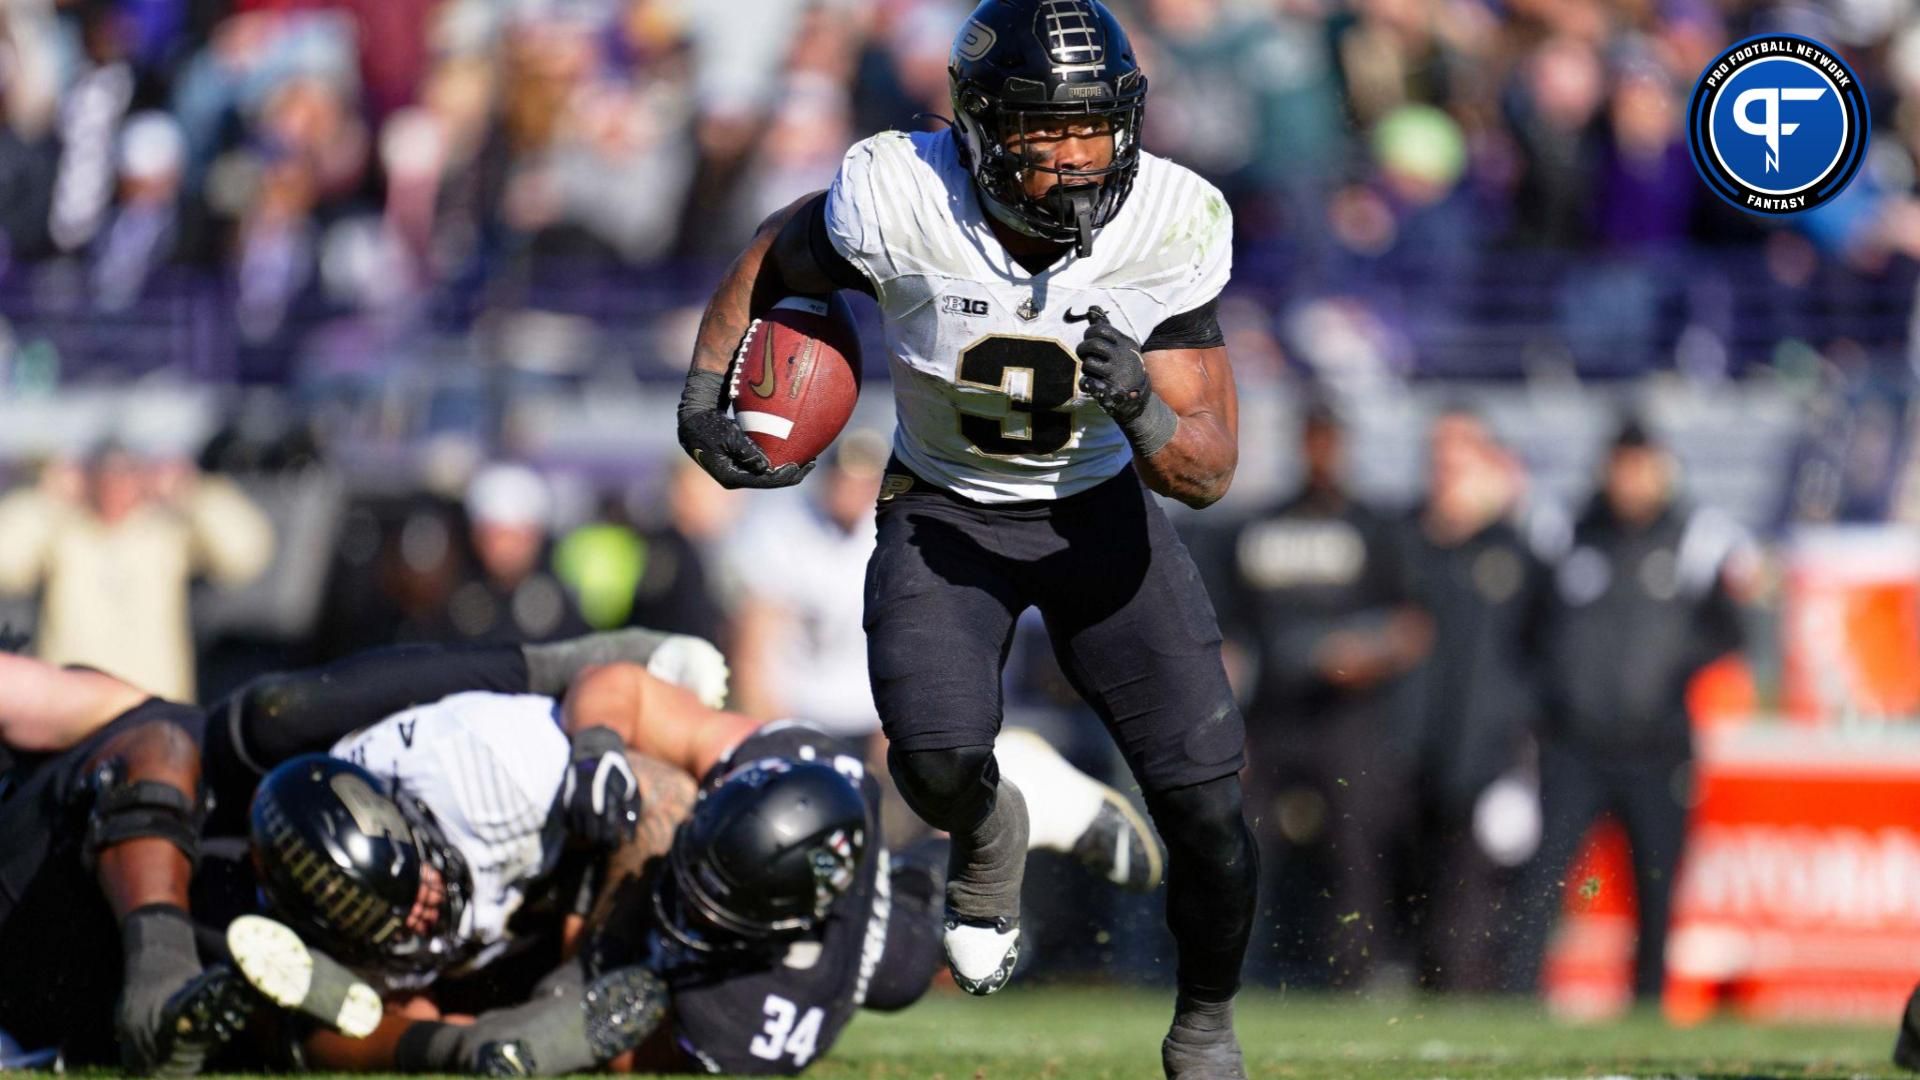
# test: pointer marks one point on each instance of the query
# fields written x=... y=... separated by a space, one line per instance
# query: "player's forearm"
x=753 y=283
x=1196 y=465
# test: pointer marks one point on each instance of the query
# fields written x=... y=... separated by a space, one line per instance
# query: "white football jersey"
x=985 y=381
x=489 y=766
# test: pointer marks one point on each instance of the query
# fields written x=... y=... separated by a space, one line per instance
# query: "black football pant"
x=1646 y=797
x=281 y=716
x=1135 y=634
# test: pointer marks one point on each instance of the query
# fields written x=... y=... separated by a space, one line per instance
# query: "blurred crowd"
x=420 y=162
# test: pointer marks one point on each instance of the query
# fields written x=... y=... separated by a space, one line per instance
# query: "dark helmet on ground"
x=1019 y=64
x=766 y=852
x=362 y=872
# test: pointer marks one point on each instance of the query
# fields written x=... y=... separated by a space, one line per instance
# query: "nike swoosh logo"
x=1094 y=313
x=764 y=385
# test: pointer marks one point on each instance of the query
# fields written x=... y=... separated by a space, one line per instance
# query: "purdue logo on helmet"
x=1018 y=61
x=363 y=873
x=764 y=856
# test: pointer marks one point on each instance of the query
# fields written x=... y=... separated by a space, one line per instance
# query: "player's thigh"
x=1135 y=632
x=940 y=609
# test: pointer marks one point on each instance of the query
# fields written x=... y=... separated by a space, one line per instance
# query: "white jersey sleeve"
x=1177 y=243
x=852 y=214
x=489 y=766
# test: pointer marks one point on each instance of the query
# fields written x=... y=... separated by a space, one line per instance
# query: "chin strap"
x=1084 y=200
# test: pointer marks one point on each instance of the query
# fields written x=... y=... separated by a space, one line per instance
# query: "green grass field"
x=1070 y=1034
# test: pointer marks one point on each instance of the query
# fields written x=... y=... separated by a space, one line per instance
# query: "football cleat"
x=194 y=1024
x=285 y=971
x=623 y=1007
x=981 y=953
x=1119 y=847
x=1075 y=814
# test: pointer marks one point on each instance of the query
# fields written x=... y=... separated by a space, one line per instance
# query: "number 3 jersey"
x=986 y=384
x=774 y=1017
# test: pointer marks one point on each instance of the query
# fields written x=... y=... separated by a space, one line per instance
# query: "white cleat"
x=286 y=972
x=981 y=954
x=1074 y=814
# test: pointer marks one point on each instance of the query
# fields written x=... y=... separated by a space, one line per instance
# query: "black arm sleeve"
x=1196 y=329
x=807 y=257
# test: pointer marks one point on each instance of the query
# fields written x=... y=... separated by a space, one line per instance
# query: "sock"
x=984 y=872
x=1061 y=800
x=1202 y=1017
x=551 y=667
x=161 y=953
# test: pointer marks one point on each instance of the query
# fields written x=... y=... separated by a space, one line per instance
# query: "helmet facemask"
x=357 y=915
x=992 y=135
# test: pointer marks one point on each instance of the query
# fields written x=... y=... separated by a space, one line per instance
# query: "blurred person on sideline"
x=509 y=596
x=1314 y=589
x=113 y=546
x=1636 y=608
x=1469 y=706
x=800 y=648
x=629 y=569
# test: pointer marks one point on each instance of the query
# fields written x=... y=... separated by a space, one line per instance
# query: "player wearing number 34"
x=1048 y=295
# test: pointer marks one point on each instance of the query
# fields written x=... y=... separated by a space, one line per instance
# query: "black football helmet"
x=763 y=857
x=1016 y=61
x=363 y=873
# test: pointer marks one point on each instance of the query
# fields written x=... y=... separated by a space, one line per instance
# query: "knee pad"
x=949 y=789
x=124 y=810
x=1203 y=817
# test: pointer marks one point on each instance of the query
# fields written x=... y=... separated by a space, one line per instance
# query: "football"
x=796 y=377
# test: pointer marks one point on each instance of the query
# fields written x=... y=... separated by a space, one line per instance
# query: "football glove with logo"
x=1114 y=374
x=600 y=797
x=713 y=439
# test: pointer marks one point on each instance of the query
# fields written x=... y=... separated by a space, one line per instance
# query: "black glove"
x=1112 y=371
x=601 y=798
x=713 y=439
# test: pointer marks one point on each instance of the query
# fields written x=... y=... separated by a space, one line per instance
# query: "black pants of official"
x=1647 y=796
x=1135 y=634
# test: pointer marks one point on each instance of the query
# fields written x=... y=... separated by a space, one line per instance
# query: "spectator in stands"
x=508 y=595
x=1469 y=706
x=1314 y=589
x=800 y=647
x=151 y=225
x=1637 y=607
x=112 y=550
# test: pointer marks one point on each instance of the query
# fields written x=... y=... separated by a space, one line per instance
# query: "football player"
x=1048 y=295
x=776 y=915
x=103 y=810
x=100 y=817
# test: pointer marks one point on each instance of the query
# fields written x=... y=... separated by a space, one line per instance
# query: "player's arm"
x=44 y=708
x=788 y=255
x=1174 y=398
x=653 y=717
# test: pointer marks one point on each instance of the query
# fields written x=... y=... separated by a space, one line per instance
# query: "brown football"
x=796 y=377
